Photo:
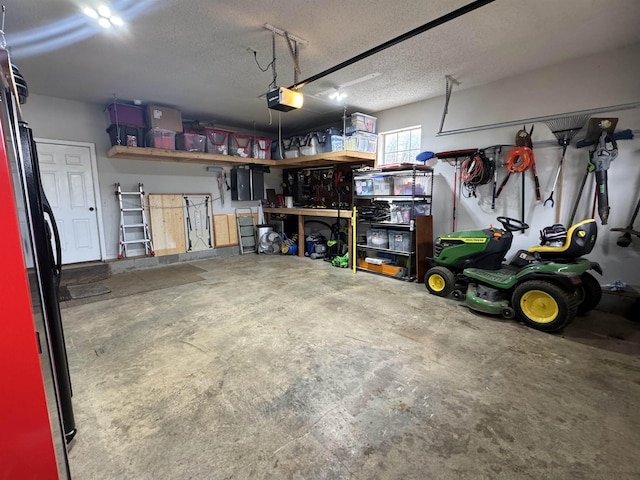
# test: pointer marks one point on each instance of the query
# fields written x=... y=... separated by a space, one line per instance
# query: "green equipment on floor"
x=341 y=261
x=544 y=287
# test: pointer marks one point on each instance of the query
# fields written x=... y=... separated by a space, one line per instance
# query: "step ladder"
x=246 y=230
x=134 y=228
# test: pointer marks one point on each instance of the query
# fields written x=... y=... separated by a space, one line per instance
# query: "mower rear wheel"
x=440 y=281
x=543 y=305
x=588 y=294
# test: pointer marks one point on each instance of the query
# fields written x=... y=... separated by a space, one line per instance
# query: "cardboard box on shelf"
x=165 y=118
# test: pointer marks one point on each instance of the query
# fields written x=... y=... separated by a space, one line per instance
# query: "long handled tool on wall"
x=590 y=168
x=602 y=158
x=593 y=136
x=564 y=130
x=455 y=155
x=624 y=240
x=520 y=159
x=497 y=152
x=601 y=132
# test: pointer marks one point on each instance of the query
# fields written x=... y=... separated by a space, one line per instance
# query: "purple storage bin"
x=120 y=114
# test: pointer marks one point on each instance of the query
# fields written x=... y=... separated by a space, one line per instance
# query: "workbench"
x=303 y=213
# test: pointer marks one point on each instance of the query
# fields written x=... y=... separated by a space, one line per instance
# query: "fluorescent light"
x=90 y=12
x=104 y=22
x=117 y=21
x=104 y=11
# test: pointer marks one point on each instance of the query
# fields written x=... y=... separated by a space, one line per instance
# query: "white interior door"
x=68 y=183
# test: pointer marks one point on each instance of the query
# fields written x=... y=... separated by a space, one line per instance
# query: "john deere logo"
x=464 y=239
x=474 y=240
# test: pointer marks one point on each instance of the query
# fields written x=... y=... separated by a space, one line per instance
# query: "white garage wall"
x=58 y=119
x=602 y=80
x=612 y=78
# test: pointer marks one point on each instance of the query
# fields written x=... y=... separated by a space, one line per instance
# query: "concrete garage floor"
x=273 y=367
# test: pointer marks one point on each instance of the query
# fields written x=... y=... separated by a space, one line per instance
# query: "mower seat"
x=580 y=240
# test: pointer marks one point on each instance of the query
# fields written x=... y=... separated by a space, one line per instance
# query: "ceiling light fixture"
x=103 y=16
x=104 y=11
x=337 y=95
x=90 y=12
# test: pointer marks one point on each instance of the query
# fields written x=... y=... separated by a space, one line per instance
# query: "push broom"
x=564 y=129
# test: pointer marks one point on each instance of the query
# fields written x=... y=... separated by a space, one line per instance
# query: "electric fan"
x=270 y=243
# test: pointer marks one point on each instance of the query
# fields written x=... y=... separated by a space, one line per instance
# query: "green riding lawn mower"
x=545 y=287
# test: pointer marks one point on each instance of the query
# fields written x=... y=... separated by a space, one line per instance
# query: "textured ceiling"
x=194 y=54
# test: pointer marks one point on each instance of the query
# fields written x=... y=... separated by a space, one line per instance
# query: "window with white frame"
x=400 y=146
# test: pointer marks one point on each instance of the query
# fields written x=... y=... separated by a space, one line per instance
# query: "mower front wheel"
x=543 y=305
x=440 y=281
x=588 y=294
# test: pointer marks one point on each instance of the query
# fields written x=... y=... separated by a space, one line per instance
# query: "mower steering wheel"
x=512 y=224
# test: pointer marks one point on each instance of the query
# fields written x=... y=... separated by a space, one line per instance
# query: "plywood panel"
x=166 y=216
x=233 y=229
x=221 y=230
x=225 y=230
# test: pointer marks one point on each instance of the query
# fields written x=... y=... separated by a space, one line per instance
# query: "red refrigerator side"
x=26 y=440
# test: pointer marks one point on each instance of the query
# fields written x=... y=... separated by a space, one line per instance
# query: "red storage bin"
x=160 y=138
x=240 y=145
x=262 y=148
x=217 y=141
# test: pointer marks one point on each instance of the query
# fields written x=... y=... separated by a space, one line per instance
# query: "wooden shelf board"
x=198 y=158
x=309 y=212
x=329 y=158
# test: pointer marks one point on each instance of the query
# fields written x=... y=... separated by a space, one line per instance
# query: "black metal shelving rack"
x=416 y=192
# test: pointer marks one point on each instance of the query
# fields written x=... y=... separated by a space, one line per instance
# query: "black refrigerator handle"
x=56 y=236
